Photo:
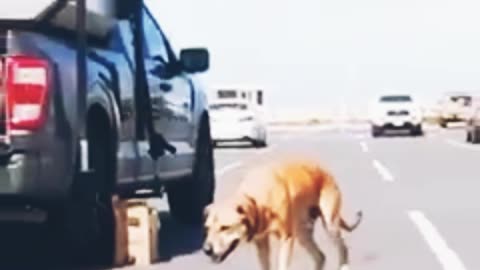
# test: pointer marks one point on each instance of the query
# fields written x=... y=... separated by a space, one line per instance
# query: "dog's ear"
x=250 y=216
x=240 y=209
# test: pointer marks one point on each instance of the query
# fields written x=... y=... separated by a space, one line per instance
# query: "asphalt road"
x=418 y=194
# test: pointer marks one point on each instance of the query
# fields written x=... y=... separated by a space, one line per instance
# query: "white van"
x=237 y=120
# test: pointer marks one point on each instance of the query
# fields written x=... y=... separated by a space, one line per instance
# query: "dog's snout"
x=208 y=249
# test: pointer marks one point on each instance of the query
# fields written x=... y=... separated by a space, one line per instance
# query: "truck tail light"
x=26 y=86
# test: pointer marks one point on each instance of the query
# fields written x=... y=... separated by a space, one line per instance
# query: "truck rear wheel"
x=417 y=130
x=475 y=136
x=376 y=131
x=443 y=123
x=469 y=136
x=187 y=198
x=86 y=224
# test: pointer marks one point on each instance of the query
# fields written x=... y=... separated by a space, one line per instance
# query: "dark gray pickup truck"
x=51 y=171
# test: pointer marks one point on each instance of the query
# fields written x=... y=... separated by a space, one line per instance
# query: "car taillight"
x=26 y=86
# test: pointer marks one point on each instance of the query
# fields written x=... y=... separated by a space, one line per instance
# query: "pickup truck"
x=454 y=107
x=52 y=173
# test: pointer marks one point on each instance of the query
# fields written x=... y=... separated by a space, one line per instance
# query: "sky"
x=315 y=54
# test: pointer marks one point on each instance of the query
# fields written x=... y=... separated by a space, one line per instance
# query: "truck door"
x=171 y=96
x=129 y=164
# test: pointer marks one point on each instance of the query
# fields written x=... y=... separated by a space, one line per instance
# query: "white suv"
x=395 y=112
x=237 y=121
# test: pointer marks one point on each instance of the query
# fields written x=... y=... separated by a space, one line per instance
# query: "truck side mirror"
x=194 y=60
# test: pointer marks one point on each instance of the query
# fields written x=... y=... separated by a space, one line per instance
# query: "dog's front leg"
x=263 y=252
x=285 y=253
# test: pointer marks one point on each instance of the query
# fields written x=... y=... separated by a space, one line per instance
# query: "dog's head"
x=226 y=226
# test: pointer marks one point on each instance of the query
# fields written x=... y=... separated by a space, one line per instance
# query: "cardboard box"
x=143 y=228
x=122 y=256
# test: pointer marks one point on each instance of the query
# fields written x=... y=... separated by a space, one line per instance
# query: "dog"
x=283 y=200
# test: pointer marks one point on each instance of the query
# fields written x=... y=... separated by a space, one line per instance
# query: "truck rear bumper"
x=18 y=176
x=21 y=184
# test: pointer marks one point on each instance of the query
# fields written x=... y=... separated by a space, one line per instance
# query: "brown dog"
x=281 y=199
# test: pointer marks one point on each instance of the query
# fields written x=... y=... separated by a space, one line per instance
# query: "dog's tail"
x=351 y=227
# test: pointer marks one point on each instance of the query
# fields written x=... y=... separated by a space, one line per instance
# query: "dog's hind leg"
x=330 y=207
x=342 y=248
x=285 y=253
x=263 y=252
x=305 y=239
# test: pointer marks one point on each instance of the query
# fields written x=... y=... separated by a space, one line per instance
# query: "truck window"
x=155 y=41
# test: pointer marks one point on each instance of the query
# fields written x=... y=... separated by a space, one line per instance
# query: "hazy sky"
x=314 y=53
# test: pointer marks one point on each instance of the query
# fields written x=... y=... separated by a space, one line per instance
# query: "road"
x=419 y=197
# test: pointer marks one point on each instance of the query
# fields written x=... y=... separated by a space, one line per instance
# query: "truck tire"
x=259 y=144
x=469 y=137
x=475 y=136
x=188 y=197
x=443 y=123
x=86 y=223
x=417 y=131
x=376 y=131
x=263 y=142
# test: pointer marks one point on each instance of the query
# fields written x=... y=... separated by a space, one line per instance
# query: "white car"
x=237 y=120
x=395 y=112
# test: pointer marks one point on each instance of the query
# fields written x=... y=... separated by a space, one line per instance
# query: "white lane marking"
x=266 y=150
x=462 y=145
x=383 y=171
x=364 y=146
x=360 y=136
x=229 y=167
x=447 y=256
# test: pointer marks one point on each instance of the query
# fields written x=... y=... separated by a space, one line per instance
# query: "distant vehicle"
x=453 y=107
x=254 y=95
x=395 y=112
x=473 y=121
x=237 y=120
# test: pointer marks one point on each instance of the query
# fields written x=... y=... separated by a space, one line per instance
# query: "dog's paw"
x=344 y=267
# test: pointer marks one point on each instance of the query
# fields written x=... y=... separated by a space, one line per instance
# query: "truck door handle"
x=166 y=87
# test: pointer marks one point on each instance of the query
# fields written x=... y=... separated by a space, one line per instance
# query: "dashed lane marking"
x=447 y=257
